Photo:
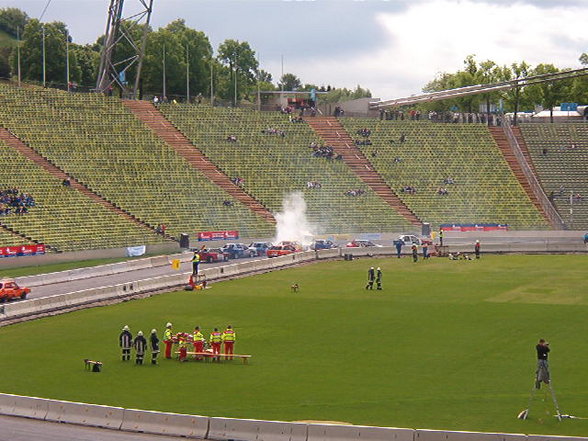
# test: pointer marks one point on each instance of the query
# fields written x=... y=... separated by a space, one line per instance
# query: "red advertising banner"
x=217 y=235
x=22 y=250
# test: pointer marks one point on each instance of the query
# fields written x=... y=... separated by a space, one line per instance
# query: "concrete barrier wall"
x=161 y=423
x=225 y=429
x=332 y=432
x=29 y=407
x=443 y=435
x=84 y=414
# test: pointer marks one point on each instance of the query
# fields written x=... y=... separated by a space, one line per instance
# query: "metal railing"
x=551 y=212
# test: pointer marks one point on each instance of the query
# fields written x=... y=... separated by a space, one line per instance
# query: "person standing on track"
x=140 y=345
x=229 y=338
x=195 y=263
x=154 y=341
x=440 y=237
x=371 y=277
x=415 y=253
x=398 y=245
x=477 y=249
x=216 y=339
x=126 y=343
x=168 y=340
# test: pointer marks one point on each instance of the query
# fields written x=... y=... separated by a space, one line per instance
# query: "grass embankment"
x=446 y=345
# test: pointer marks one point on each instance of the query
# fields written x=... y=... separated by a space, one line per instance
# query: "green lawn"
x=446 y=345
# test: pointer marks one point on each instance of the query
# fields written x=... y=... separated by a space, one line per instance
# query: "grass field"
x=446 y=345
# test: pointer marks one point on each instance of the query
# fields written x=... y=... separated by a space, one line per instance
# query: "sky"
x=392 y=47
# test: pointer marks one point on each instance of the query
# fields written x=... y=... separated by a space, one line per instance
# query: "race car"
x=281 y=250
x=410 y=239
x=260 y=248
x=359 y=243
x=9 y=289
x=238 y=250
x=322 y=244
x=213 y=255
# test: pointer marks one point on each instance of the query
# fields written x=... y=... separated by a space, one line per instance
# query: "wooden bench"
x=209 y=355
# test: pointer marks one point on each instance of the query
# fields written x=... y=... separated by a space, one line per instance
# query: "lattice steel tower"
x=118 y=29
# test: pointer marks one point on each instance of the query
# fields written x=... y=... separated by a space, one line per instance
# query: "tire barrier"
x=84 y=414
x=161 y=423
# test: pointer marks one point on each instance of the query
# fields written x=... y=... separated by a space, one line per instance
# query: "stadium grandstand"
x=134 y=179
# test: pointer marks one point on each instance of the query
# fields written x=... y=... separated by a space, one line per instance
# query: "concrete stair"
x=504 y=145
x=167 y=132
x=332 y=133
x=18 y=145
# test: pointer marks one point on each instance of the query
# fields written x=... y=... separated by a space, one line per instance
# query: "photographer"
x=542 y=374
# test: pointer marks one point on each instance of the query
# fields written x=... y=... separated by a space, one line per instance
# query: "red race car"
x=9 y=289
x=280 y=250
x=213 y=255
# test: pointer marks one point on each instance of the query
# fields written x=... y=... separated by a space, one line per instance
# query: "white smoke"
x=292 y=224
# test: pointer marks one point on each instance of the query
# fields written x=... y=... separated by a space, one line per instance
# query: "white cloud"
x=436 y=36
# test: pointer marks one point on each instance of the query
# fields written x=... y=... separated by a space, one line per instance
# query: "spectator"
x=408 y=189
x=231 y=138
x=228 y=203
x=66 y=182
x=442 y=191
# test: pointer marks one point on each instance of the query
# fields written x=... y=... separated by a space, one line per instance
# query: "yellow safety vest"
x=167 y=335
x=196 y=258
x=198 y=336
x=216 y=337
x=229 y=335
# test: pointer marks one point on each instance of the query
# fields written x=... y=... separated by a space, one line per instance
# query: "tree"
x=264 y=77
x=289 y=82
x=242 y=67
x=32 y=52
x=549 y=93
x=12 y=19
x=341 y=95
x=86 y=62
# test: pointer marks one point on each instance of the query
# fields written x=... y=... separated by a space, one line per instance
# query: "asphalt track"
x=115 y=279
x=25 y=429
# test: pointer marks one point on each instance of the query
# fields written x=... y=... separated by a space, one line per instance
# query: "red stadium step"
x=15 y=143
x=168 y=133
x=504 y=145
x=332 y=132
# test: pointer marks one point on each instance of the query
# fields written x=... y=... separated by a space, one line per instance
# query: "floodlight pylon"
x=118 y=30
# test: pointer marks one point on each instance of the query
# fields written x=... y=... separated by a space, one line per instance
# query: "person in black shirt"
x=542 y=374
x=154 y=341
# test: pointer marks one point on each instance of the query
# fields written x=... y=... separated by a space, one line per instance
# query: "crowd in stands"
x=272 y=131
x=364 y=132
x=313 y=184
x=408 y=189
x=324 y=151
x=442 y=191
x=296 y=119
x=355 y=192
x=442 y=117
x=240 y=182
x=13 y=201
x=363 y=142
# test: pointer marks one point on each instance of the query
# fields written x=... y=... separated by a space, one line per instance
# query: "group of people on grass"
x=182 y=340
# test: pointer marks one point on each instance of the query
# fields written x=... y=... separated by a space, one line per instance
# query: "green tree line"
x=190 y=61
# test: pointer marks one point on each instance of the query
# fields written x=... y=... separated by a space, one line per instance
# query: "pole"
x=67 y=59
x=44 y=76
x=163 y=69
x=187 y=75
x=18 y=53
x=258 y=86
x=211 y=85
x=235 y=103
